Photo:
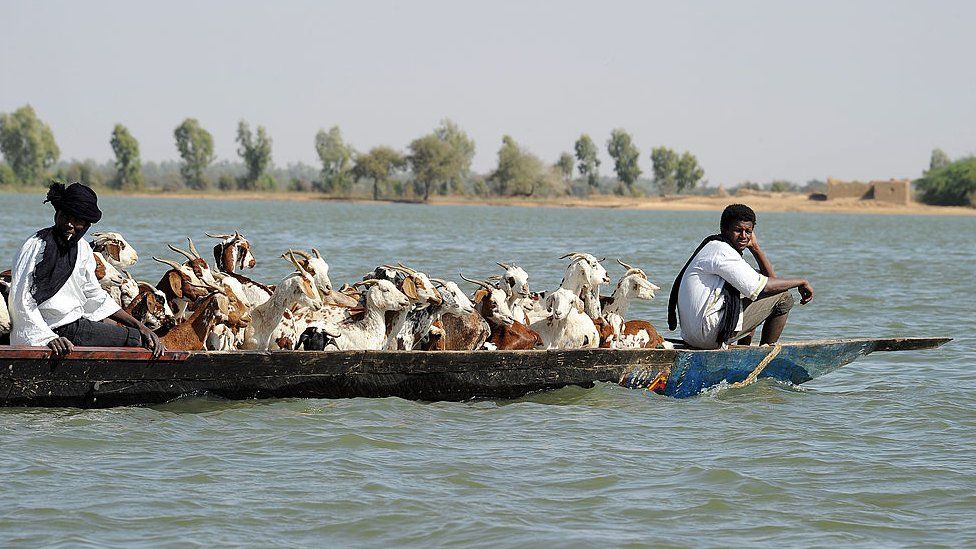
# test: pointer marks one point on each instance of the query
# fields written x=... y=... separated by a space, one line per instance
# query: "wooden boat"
x=103 y=377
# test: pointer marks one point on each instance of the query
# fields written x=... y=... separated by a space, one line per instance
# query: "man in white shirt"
x=720 y=299
x=55 y=299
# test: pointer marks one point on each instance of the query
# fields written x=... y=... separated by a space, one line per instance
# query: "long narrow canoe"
x=104 y=377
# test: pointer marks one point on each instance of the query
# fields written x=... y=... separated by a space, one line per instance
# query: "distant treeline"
x=435 y=163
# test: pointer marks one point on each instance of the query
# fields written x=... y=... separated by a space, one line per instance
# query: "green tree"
x=256 y=152
x=379 y=165
x=336 y=157
x=624 y=153
x=27 y=144
x=128 y=167
x=431 y=163
x=519 y=173
x=589 y=164
x=462 y=153
x=664 y=163
x=195 y=145
x=687 y=173
x=938 y=160
x=441 y=160
x=952 y=185
x=565 y=165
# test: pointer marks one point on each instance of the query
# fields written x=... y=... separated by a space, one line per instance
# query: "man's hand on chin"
x=60 y=346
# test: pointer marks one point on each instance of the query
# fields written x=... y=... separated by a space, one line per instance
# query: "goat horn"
x=483 y=284
x=624 y=265
x=440 y=281
x=502 y=265
x=392 y=268
x=237 y=234
x=408 y=269
x=193 y=249
x=299 y=265
x=182 y=252
x=571 y=254
x=601 y=260
x=220 y=236
x=302 y=253
x=368 y=282
x=289 y=256
x=172 y=264
x=317 y=254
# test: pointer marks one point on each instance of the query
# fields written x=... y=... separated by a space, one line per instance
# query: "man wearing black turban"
x=55 y=299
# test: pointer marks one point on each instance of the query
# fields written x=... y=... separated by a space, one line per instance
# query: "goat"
x=506 y=332
x=215 y=306
x=369 y=331
x=180 y=286
x=4 y=316
x=584 y=275
x=122 y=287
x=233 y=252
x=297 y=288
x=515 y=284
x=150 y=307
x=418 y=288
x=632 y=333
x=115 y=249
x=567 y=326
x=201 y=269
x=423 y=327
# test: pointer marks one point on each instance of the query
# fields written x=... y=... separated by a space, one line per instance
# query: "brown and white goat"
x=620 y=334
x=506 y=332
x=150 y=307
x=216 y=306
x=232 y=253
x=115 y=249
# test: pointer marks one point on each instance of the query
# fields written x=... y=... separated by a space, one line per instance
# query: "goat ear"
x=579 y=304
x=307 y=289
x=114 y=251
x=176 y=283
x=99 y=268
x=480 y=295
x=410 y=289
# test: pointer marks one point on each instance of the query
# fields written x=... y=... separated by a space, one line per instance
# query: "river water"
x=881 y=452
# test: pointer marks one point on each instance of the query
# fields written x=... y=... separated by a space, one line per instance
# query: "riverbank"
x=762 y=201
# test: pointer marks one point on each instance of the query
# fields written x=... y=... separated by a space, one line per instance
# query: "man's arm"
x=150 y=340
x=779 y=285
x=765 y=267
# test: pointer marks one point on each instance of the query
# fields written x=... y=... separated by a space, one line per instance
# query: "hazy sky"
x=757 y=90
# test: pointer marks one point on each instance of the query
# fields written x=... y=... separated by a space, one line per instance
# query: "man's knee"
x=783 y=305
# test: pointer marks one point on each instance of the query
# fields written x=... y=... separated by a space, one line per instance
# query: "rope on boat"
x=751 y=378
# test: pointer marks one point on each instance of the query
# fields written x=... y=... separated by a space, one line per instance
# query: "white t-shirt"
x=81 y=296
x=700 y=299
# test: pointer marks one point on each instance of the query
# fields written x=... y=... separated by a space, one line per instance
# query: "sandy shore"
x=761 y=201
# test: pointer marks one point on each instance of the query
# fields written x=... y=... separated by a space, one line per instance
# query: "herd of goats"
x=198 y=306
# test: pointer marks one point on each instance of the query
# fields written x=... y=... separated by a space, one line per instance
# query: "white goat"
x=115 y=249
x=567 y=326
x=119 y=284
x=583 y=277
x=369 y=332
x=296 y=289
x=515 y=284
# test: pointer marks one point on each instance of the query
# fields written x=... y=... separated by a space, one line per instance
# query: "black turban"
x=76 y=200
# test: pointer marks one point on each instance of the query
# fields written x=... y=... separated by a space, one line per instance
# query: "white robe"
x=80 y=297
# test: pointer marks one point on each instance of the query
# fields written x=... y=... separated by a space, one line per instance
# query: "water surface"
x=880 y=452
